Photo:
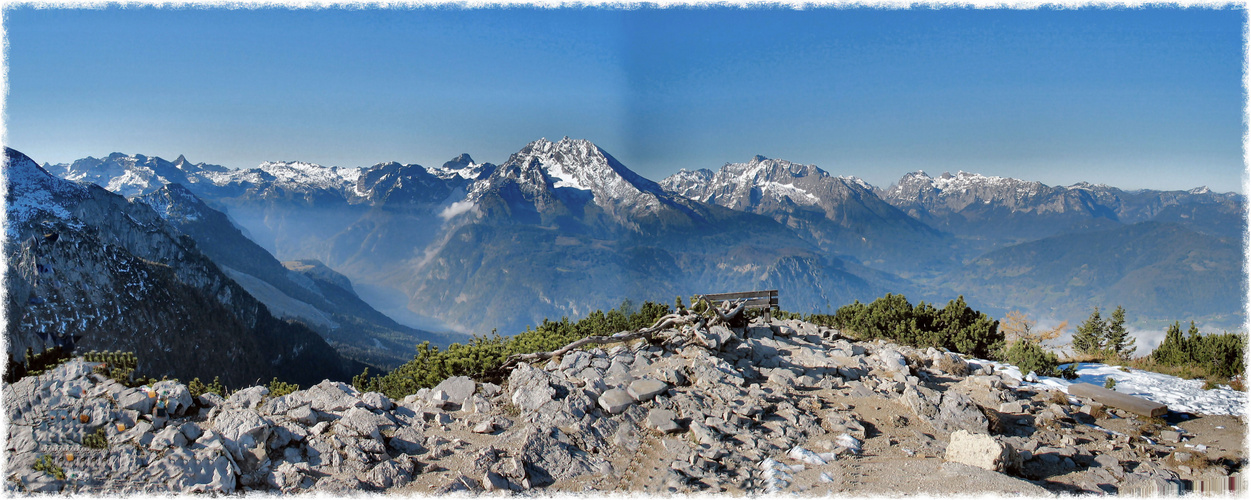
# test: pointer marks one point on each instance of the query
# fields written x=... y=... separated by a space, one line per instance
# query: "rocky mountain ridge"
x=88 y=269
x=975 y=205
x=842 y=215
x=768 y=407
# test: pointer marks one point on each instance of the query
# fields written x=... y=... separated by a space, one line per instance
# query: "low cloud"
x=455 y=209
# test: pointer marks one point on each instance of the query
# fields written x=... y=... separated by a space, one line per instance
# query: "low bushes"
x=955 y=327
x=482 y=355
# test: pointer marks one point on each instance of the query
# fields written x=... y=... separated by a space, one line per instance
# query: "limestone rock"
x=645 y=389
x=359 y=422
x=327 y=397
x=177 y=395
x=981 y=450
x=549 y=456
x=376 y=401
x=615 y=401
x=408 y=440
x=663 y=420
x=166 y=438
x=458 y=389
x=241 y=430
x=247 y=398
x=530 y=386
x=136 y=399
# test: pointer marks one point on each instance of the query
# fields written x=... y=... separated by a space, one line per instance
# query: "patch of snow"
x=34 y=193
x=796 y=194
x=1180 y=395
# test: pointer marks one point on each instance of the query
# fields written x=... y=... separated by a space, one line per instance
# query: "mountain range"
x=562 y=228
x=90 y=270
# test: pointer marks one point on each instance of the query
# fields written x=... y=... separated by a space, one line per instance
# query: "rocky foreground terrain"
x=780 y=406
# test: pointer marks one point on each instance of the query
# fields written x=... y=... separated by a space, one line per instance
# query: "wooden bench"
x=760 y=299
x=1117 y=400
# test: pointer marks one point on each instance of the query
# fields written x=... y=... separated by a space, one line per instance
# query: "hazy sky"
x=1141 y=98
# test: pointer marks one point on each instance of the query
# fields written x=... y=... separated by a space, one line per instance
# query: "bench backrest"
x=761 y=299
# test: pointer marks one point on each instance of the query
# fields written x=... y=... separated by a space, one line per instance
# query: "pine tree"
x=1116 y=338
x=1089 y=337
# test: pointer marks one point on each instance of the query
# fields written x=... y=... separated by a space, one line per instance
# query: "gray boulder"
x=549 y=456
x=408 y=440
x=957 y=411
x=615 y=401
x=178 y=397
x=663 y=420
x=136 y=399
x=376 y=401
x=359 y=422
x=168 y=437
x=645 y=389
x=531 y=387
x=327 y=397
x=305 y=415
x=458 y=389
x=241 y=430
x=575 y=361
x=247 y=398
x=892 y=361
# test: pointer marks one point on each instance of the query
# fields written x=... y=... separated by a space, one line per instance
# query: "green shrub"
x=955 y=327
x=482 y=355
x=197 y=388
x=98 y=439
x=45 y=464
x=1069 y=372
x=1109 y=383
x=1031 y=357
x=278 y=388
x=1221 y=355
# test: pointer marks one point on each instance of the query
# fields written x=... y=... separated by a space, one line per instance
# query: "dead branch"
x=665 y=322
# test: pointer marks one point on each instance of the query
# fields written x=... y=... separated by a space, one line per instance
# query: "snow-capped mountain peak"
x=544 y=168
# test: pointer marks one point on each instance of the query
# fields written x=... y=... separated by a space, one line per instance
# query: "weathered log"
x=598 y=340
x=665 y=322
x=1118 y=400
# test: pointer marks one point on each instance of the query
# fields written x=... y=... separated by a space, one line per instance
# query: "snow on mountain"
x=543 y=169
x=761 y=184
x=955 y=192
x=135 y=175
x=176 y=204
x=31 y=193
x=303 y=175
x=968 y=203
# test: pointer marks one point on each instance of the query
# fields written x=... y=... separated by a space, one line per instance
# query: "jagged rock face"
x=90 y=270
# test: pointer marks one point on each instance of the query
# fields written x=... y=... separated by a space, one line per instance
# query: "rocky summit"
x=769 y=406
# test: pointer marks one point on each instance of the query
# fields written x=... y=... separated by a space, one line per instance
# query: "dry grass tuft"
x=949 y=365
x=993 y=417
x=1059 y=397
x=1198 y=461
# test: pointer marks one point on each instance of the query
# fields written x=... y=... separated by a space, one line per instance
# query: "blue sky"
x=1136 y=98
